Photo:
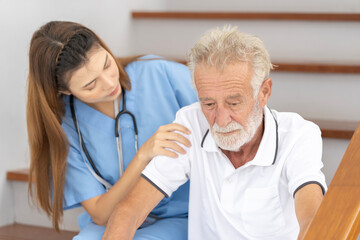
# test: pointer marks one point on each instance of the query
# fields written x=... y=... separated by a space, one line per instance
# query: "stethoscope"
x=93 y=169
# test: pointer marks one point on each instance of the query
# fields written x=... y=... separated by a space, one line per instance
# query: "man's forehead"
x=221 y=68
x=236 y=75
x=235 y=96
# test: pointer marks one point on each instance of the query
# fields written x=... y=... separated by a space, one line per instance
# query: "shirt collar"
x=266 y=154
x=208 y=143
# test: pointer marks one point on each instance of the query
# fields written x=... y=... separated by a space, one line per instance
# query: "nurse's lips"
x=114 y=92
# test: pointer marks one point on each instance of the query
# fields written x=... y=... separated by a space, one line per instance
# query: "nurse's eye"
x=91 y=86
x=108 y=64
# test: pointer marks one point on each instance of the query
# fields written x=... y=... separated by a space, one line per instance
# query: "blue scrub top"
x=159 y=89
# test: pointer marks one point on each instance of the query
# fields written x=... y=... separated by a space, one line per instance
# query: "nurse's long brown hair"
x=56 y=50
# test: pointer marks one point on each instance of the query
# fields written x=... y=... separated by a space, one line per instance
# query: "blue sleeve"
x=159 y=89
x=180 y=79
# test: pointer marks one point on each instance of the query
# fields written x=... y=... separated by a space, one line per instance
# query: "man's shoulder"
x=192 y=111
x=193 y=118
x=293 y=123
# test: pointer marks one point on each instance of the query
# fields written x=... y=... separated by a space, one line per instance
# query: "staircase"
x=308 y=49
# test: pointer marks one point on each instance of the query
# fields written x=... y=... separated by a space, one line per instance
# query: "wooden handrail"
x=338 y=216
x=308 y=67
x=247 y=16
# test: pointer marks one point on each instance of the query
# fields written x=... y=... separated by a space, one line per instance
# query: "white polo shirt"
x=254 y=201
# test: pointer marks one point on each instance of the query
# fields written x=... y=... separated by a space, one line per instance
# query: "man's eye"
x=234 y=104
x=208 y=105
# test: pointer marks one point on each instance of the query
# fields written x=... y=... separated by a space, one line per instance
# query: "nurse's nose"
x=107 y=83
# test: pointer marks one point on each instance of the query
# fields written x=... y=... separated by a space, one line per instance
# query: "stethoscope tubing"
x=117 y=136
x=74 y=117
x=123 y=112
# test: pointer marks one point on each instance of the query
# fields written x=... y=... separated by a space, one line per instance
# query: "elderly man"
x=254 y=172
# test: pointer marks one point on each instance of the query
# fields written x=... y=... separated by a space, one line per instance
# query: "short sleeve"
x=80 y=185
x=180 y=79
x=304 y=163
x=167 y=174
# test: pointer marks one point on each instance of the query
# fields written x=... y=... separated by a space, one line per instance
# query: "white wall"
x=317 y=95
x=18 y=20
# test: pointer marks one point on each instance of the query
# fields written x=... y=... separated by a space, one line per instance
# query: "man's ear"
x=265 y=92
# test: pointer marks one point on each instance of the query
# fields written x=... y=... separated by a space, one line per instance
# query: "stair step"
x=18 y=175
x=317 y=68
x=247 y=16
x=336 y=129
x=21 y=175
x=26 y=232
x=309 y=67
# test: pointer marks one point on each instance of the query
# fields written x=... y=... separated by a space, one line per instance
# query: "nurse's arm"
x=130 y=212
x=307 y=202
x=165 y=142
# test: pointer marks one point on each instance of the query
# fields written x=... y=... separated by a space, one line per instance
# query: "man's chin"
x=226 y=147
x=231 y=149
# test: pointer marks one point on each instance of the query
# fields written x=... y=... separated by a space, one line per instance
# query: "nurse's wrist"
x=142 y=159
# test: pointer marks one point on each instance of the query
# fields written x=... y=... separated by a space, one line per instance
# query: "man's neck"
x=248 y=151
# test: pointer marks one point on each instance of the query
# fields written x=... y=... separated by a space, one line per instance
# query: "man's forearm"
x=132 y=211
x=307 y=201
x=121 y=225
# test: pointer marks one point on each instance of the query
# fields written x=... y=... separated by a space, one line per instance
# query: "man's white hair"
x=220 y=47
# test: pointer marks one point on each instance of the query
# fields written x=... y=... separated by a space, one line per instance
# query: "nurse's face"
x=98 y=80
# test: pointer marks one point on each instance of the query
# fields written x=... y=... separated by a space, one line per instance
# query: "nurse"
x=76 y=88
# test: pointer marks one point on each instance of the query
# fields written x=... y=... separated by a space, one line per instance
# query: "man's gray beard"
x=236 y=140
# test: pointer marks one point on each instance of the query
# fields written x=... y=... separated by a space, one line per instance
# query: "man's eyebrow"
x=205 y=99
x=235 y=96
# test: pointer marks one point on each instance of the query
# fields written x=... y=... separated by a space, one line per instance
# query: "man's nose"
x=223 y=117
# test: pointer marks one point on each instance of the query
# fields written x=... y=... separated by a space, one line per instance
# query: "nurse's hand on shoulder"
x=165 y=139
